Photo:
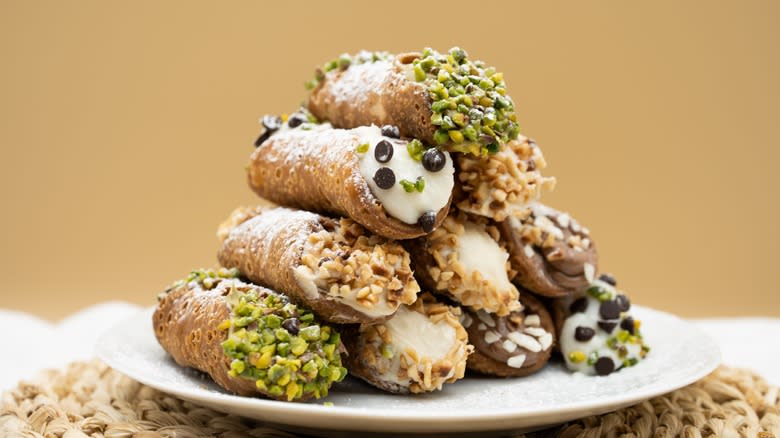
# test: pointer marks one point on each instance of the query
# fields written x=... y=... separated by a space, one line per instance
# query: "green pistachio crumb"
x=415 y=149
x=328 y=404
x=456 y=85
x=576 y=356
x=408 y=186
x=419 y=185
x=387 y=351
x=599 y=293
x=261 y=350
x=362 y=148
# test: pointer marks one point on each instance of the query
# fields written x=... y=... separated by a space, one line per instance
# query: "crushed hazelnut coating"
x=439 y=267
x=349 y=264
x=502 y=184
x=374 y=356
x=334 y=266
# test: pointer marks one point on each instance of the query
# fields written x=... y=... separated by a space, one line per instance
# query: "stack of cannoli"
x=399 y=238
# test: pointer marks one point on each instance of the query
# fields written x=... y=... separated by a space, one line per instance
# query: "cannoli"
x=551 y=252
x=515 y=345
x=446 y=100
x=463 y=260
x=332 y=266
x=395 y=188
x=249 y=339
x=599 y=335
x=502 y=184
x=422 y=347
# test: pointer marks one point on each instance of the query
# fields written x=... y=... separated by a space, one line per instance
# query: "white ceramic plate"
x=681 y=354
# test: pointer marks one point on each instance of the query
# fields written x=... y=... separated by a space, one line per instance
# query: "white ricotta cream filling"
x=400 y=204
x=477 y=251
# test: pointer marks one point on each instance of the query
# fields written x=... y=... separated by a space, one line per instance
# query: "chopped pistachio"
x=576 y=356
x=362 y=148
x=415 y=149
x=261 y=350
x=407 y=185
x=419 y=185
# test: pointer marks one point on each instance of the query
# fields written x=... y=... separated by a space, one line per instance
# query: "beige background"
x=125 y=127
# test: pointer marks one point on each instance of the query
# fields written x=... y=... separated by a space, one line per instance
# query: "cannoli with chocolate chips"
x=597 y=334
x=332 y=266
x=249 y=339
x=446 y=100
x=552 y=253
x=501 y=185
x=422 y=347
x=395 y=188
x=515 y=345
x=463 y=260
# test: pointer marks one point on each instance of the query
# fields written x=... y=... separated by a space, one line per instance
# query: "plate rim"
x=410 y=420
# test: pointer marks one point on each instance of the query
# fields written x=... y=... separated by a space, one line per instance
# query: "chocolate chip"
x=608 y=278
x=607 y=326
x=531 y=165
x=292 y=325
x=579 y=306
x=391 y=131
x=295 y=120
x=264 y=135
x=271 y=124
x=383 y=151
x=604 y=366
x=433 y=160
x=609 y=310
x=427 y=221
x=628 y=325
x=584 y=334
x=623 y=303
x=384 y=178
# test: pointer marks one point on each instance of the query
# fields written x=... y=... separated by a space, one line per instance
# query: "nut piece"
x=501 y=185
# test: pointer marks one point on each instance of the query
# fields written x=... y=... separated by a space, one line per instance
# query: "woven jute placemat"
x=90 y=399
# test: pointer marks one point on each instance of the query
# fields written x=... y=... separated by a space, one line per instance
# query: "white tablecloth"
x=29 y=344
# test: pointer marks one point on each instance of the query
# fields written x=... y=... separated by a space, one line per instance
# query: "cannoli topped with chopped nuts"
x=552 y=253
x=464 y=260
x=421 y=348
x=333 y=266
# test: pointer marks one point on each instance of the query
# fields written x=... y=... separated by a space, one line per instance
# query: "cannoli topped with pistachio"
x=503 y=184
x=249 y=339
x=444 y=99
x=600 y=336
x=333 y=266
x=552 y=253
x=396 y=188
x=464 y=260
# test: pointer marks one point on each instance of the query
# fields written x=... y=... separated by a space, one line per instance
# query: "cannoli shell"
x=267 y=248
x=357 y=365
x=320 y=172
x=186 y=325
x=378 y=93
